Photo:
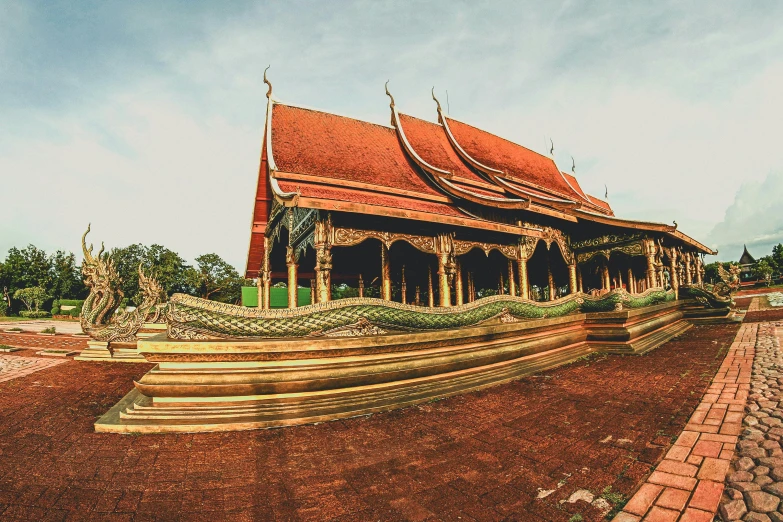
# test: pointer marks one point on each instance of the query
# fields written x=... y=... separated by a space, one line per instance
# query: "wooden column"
x=417 y=297
x=512 y=285
x=385 y=274
x=579 y=279
x=607 y=281
x=361 y=286
x=651 y=283
x=458 y=283
x=266 y=275
x=313 y=292
x=430 y=293
x=501 y=284
x=631 y=282
x=572 y=279
x=293 y=278
x=699 y=263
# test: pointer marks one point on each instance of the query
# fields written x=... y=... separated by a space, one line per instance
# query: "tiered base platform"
x=222 y=385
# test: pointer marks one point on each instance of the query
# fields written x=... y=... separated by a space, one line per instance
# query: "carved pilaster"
x=385 y=274
x=673 y=272
x=323 y=238
x=293 y=278
x=444 y=246
x=361 y=286
x=527 y=246
x=430 y=293
x=649 y=252
x=403 y=287
x=688 y=268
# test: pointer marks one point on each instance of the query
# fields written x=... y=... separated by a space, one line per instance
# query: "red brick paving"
x=32 y=340
x=694 y=470
x=479 y=456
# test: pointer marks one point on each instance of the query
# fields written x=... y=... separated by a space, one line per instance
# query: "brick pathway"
x=687 y=485
x=518 y=451
x=13 y=366
x=755 y=483
x=31 y=340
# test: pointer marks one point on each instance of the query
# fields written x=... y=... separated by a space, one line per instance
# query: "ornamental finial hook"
x=436 y=100
x=269 y=92
x=386 y=86
x=573 y=165
x=551 y=147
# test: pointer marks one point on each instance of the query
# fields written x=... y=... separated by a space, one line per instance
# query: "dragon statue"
x=100 y=318
x=718 y=295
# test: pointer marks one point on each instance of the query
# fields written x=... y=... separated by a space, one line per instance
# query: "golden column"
x=550 y=278
x=260 y=290
x=688 y=275
x=293 y=279
x=361 y=286
x=471 y=295
x=526 y=247
x=444 y=247
x=673 y=272
x=649 y=247
x=631 y=282
x=512 y=284
x=699 y=269
x=572 y=279
x=607 y=281
x=501 y=284
x=385 y=274
x=266 y=277
x=458 y=283
x=619 y=278
x=579 y=279
x=430 y=293
x=322 y=240
x=403 y=287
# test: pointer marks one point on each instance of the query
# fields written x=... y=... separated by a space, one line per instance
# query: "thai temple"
x=471 y=261
x=439 y=214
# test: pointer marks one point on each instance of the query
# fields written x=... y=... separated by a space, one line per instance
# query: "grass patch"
x=616 y=499
x=576 y=518
x=15 y=329
x=49 y=330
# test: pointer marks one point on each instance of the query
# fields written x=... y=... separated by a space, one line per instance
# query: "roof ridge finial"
x=269 y=92
x=386 y=86
x=551 y=147
x=573 y=165
x=436 y=100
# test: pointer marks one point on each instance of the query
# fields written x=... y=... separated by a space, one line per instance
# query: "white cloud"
x=753 y=219
x=672 y=106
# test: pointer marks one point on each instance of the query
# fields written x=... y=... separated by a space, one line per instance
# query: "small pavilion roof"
x=746 y=258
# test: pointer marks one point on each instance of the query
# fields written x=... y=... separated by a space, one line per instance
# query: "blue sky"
x=145 y=118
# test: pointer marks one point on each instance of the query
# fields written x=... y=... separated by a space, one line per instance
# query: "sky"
x=146 y=118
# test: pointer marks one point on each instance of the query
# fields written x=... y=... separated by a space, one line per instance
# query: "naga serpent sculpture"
x=100 y=318
x=719 y=295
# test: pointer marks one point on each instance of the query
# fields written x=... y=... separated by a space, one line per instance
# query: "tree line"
x=30 y=277
x=767 y=268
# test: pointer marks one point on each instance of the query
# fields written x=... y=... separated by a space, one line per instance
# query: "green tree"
x=65 y=277
x=711 y=271
x=32 y=297
x=763 y=270
x=777 y=257
x=165 y=265
x=213 y=278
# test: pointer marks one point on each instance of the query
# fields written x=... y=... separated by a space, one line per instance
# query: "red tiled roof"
x=575 y=185
x=514 y=160
x=431 y=144
x=600 y=203
x=330 y=146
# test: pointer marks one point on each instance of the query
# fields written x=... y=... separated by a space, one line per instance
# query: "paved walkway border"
x=13 y=366
x=687 y=484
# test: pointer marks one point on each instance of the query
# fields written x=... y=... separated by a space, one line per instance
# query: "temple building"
x=439 y=214
x=746 y=263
